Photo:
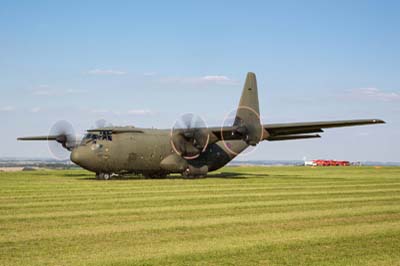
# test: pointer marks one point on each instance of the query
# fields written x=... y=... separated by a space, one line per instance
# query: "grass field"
x=243 y=216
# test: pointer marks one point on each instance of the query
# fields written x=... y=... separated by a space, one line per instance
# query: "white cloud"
x=8 y=108
x=35 y=110
x=205 y=80
x=119 y=113
x=106 y=72
x=140 y=112
x=46 y=90
x=43 y=90
x=75 y=91
x=376 y=94
x=149 y=74
x=216 y=78
x=99 y=111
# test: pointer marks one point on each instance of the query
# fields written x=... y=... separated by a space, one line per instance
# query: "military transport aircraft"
x=189 y=148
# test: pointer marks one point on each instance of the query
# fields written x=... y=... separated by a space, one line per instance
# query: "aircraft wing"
x=290 y=131
x=298 y=130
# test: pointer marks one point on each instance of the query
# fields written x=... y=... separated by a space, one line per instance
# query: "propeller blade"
x=65 y=135
x=187 y=120
x=189 y=136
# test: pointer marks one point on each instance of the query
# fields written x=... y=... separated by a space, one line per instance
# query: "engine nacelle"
x=251 y=133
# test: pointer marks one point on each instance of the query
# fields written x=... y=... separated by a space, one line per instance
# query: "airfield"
x=237 y=216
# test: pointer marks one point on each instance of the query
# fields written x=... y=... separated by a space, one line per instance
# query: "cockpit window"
x=102 y=135
x=89 y=138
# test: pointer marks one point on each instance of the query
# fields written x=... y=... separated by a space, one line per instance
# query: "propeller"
x=189 y=136
x=63 y=133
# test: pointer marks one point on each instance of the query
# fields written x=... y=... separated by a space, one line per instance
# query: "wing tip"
x=378 y=121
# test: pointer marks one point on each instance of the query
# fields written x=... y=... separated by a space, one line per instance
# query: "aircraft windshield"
x=102 y=135
x=89 y=138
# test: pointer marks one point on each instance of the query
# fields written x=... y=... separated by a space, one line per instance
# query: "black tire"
x=103 y=176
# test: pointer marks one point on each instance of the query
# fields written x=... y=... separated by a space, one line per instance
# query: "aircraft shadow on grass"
x=223 y=175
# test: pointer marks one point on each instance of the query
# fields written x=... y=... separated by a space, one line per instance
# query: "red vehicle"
x=330 y=163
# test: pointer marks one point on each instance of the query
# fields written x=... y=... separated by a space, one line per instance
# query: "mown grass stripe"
x=392 y=212
x=200 y=206
x=20 y=200
x=149 y=249
x=140 y=198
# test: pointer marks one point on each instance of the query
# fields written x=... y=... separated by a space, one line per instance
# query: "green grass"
x=244 y=216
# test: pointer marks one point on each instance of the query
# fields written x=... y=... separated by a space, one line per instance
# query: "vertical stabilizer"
x=249 y=96
x=248 y=113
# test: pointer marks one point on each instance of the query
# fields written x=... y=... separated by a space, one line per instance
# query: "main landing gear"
x=195 y=172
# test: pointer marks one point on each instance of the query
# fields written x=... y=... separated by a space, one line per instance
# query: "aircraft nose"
x=81 y=157
x=75 y=156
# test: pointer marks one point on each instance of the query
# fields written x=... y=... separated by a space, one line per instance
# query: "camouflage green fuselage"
x=143 y=152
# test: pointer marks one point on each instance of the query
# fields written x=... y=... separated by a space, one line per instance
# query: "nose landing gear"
x=103 y=176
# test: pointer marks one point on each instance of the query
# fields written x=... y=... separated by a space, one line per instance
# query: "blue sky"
x=146 y=62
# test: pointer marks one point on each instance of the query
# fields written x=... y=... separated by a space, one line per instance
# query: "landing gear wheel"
x=193 y=176
x=103 y=176
x=193 y=172
x=188 y=175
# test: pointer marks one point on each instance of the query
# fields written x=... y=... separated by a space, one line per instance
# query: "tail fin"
x=248 y=113
x=249 y=99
